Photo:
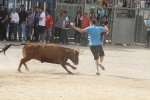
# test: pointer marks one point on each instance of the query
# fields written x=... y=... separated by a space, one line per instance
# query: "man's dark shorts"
x=97 y=51
x=41 y=29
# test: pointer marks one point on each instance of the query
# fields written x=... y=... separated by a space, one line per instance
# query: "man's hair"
x=36 y=7
x=1 y=5
x=94 y=21
x=65 y=12
x=85 y=13
x=21 y=5
x=30 y=9
x=41 y=8
x=105 y=16
x=47 y=11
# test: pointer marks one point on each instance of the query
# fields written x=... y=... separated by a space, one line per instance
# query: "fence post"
x=137 y=27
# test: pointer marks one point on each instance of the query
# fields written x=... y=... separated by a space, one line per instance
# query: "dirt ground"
x=127 y=76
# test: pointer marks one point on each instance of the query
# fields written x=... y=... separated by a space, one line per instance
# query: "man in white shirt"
x=41 y=27
x=13 y=24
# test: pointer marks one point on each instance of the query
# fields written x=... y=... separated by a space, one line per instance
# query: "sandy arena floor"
x=127 y=76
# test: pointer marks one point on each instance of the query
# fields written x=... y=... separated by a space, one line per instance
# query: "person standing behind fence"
x=59 y=26
x=13 y=24
x=148 y=32
x=3 y=19
x=65 y=29
x=77 y=24
x=48 y=26
x=41 y=27
x=22 y=24
x=84 y=23
x=36 y=23
x=92 y=17
x=30 y=21
x=104 y=23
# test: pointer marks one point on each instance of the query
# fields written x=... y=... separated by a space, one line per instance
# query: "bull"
x=49 y=53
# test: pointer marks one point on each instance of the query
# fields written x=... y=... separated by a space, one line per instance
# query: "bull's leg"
x=26 y=67
x=68 y=64
x=23 y=60
x=69 y=72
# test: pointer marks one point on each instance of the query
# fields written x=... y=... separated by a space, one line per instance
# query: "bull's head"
x=75 y=57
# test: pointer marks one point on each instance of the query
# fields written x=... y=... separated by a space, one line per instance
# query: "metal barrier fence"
x=129 y=29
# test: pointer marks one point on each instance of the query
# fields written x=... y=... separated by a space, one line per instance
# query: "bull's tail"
x=8 y=46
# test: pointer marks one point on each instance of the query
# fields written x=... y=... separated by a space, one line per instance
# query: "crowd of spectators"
x=109 y=3
x=23 y=23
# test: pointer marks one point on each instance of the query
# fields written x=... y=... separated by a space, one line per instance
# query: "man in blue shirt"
x=36 y=23
x=148 y=32
x=95 y=42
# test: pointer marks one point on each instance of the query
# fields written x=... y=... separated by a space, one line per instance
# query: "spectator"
x=13 y=24
x=36 y=23
x=30 y=22
x=65 y=29
x=3 y=19
x=98 y=19
x=143 y=3
x=77 y=24
x=41 y=27
x=48 y=26
x=119 y=3
x=137 y=3
x=119 y=15
x=84 y=23
x=104 y=3
x=22 y=23
x=148 y=32
x=59 y=26
x=92 y=17
x=104 y=23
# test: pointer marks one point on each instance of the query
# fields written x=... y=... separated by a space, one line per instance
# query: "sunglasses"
x=2 y=7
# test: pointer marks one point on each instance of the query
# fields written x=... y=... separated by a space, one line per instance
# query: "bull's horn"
x=80 y=52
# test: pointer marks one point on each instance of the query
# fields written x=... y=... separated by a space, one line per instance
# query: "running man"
x=95 y=42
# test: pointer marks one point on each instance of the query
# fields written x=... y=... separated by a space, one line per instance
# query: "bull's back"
x=45 y=53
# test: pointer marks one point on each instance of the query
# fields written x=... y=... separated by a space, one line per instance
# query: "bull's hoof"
x=70 y=73
x=74 y=68
x=27 y=70
x=19 y=70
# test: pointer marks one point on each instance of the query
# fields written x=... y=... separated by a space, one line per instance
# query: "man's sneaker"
x=4 y=40
x=44 y=42
x=61 y=43
x=40 y=42
x=102 y=67
x=66 y=43
x=97 y=73
x=23 y=41
x=78 y=44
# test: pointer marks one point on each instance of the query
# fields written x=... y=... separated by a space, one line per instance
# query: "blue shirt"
x=148 y=23
x=94 y=34
x=36 y=19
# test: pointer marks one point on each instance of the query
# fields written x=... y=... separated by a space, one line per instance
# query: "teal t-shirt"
x=94 y=34
x=148 y=23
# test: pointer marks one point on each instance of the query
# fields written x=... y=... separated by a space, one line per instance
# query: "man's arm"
x=40 y=18
x=5 y=18
x=106 y=29
x=77 y=29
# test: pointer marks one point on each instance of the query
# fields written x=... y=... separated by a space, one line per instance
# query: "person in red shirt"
x=48 y=26
x=84 y=24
